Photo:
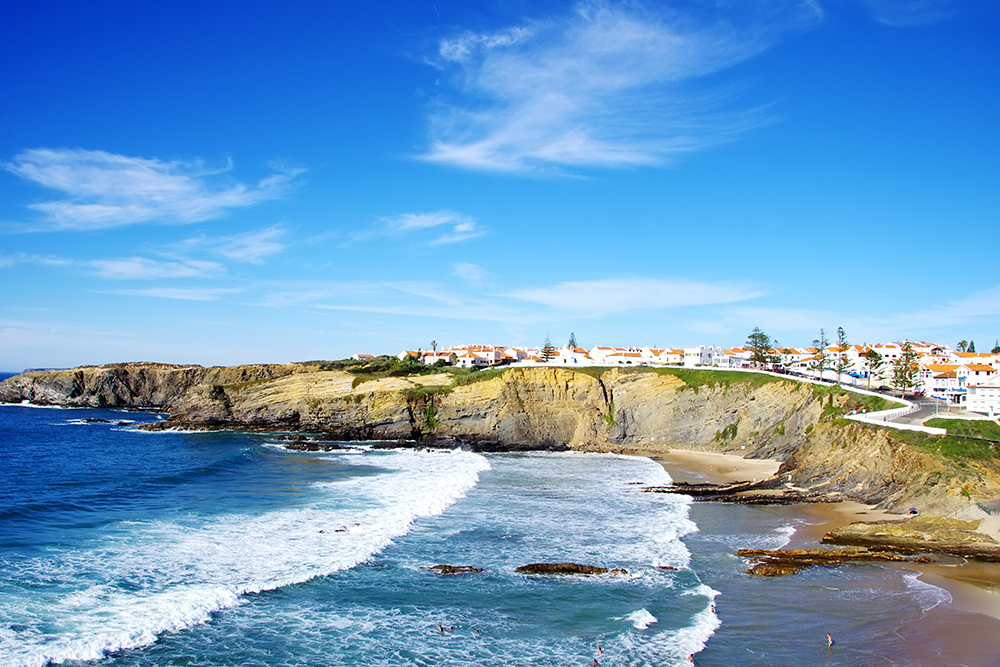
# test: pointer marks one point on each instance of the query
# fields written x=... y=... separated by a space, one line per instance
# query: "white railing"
x=880 y=418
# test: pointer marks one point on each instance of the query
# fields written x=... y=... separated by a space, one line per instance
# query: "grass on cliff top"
x=954 y=447
x=951 y=446
x=978 y=428
x=696 y=378
x=386 y=367
x=829 y=393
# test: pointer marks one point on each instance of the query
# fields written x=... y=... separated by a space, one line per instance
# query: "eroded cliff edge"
x=626 y=411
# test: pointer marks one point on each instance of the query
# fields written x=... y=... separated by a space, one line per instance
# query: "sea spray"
x=142 y=579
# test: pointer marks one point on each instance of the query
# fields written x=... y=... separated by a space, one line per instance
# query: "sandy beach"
x=968 y=628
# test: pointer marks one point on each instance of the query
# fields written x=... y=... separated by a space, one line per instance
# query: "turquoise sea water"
x=123 y=547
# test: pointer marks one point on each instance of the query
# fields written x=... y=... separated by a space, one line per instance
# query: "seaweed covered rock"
x=560 y=568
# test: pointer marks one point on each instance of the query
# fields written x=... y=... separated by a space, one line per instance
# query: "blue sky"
x=226 y=182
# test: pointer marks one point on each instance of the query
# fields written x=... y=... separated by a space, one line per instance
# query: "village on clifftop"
x=962 y=378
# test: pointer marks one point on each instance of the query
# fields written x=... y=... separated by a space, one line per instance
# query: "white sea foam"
x=640 y=619
x=149 y=578
x=927 y=595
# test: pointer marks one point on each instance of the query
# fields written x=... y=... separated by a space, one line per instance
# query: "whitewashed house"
x=984 y=397
x=703 y=355
x=572 y=356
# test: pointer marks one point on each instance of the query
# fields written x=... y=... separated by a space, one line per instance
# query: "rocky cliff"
x=541 y=408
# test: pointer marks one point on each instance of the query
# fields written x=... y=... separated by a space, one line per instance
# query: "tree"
x=962 y=345
x=972 y=346
x=761 y=355
x=842 y=362
x=996 y=348
x=904 y=369
x=548 y=351
x=819 y=363
x=572 y=341
x=873 y=363
x=434 y=345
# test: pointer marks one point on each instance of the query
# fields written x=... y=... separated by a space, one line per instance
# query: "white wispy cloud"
x=179 y=293
x=100 y=190
x=905 y=13
x=594 y=298
x=143 y=268
x=17 y=258
x=249 y=247
x=589 y=299
x=472 y=273
x=448 y=226
x=608 y=84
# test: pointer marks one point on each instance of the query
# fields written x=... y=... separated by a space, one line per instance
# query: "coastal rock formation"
x=564 y=568
x=777 y=562
x=132 y=385
x=629 y=411
x=455 y=569
x=920 y=534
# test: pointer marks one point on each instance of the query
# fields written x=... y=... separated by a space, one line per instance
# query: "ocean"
x=122 y=547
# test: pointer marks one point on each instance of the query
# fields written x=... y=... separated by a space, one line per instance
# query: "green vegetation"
x=851 y=401
x=697 y=378
x=957 y=448
x=464 y=376
x=987 y=430
x=593 y=371
x=760 y=346
x=728 y=433
x=610 y=417
x=415 y=395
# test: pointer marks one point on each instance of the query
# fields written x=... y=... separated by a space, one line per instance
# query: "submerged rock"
x=455 y=569
x=777 y=562
x=563 y=568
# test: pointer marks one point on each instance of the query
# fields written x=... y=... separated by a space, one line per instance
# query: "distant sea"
x=121 y=547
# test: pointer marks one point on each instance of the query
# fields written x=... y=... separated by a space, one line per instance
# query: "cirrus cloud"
x=608 y=84
x=595 y=298
x=101 y=190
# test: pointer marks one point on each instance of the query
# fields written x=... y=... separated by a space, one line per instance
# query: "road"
x=928 y=409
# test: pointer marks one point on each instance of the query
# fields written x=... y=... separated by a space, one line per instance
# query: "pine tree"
x=972 y=346
x=572 y=342
x=873 y=362
x=548 y=351
x=760 y=349
x=819 y=364
x=843 y=362
x=904 y=369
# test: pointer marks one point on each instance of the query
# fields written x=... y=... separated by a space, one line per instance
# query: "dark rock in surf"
x=560 y=568
x=455 y=569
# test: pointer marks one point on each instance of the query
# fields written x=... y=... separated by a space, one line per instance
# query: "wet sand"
x=964 y=632
x=690 y=466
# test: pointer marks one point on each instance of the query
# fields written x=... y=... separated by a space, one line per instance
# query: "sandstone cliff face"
x=136 y=385
x=536 y=408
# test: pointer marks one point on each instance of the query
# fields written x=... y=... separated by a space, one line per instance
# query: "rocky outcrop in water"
x=565 y=568
x=449 y=570
x=920 y=534
x=778 y=562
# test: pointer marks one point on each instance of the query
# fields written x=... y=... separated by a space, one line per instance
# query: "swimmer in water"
x=599 y=649
x=829 y=639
